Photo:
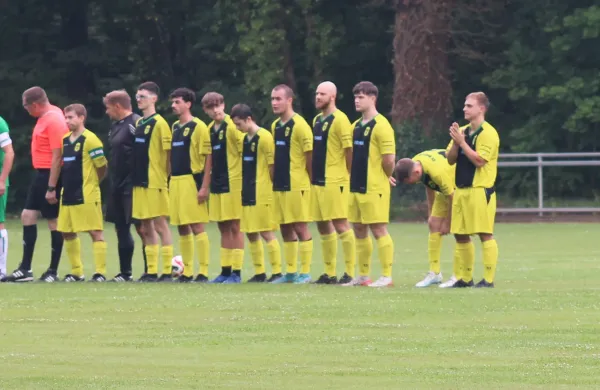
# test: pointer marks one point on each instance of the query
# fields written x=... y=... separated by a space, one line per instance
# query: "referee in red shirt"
x=44 y=191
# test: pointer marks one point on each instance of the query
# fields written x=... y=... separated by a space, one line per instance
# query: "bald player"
x=331 y=163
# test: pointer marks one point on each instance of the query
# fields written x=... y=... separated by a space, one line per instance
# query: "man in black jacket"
x=121 y=138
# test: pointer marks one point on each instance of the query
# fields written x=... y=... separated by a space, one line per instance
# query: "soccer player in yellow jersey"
x=84 y=166
x=258 y=219
x=151 y=160
x=331 y=162
x=474 y=150
x=432 y=169
x=291 y=184
x=190 y=182
x=225 y=202
x=373 y=158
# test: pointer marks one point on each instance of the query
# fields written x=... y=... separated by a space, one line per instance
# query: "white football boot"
x=430 y=279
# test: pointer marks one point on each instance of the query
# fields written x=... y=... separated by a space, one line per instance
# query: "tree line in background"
x=537 y=60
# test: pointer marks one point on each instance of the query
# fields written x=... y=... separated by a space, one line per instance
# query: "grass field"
x=539 y=328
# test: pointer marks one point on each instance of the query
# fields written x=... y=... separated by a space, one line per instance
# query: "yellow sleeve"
x=306 y=137
x=487 y=144
x=201 y=139
x=164 y=132
x=267 y=146
x=450 y=144
x=386 y=138
x=345 y=129
x=273 y=125
x=96 y=152
x=240 y=141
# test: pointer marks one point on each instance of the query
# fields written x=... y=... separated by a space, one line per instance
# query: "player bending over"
x=474 y=150
x=291 y=184
x=226 y=187
x=84 y=167
x=189 y=188
x=373 y=158
x=258 y=219
x=331 y=165
x=432 y=169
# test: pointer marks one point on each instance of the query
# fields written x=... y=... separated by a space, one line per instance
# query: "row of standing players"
x=256 y=182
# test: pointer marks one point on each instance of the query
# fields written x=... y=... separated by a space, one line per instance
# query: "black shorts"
x=118 y=208
x=36 y=196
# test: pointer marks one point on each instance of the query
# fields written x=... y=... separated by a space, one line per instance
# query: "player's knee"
x=198 y=228
x=325 y=227
x=28 y=217
x=268 y=236
x=341 y=225
x=434 y=224
x=184 y=230
x=462 y=238
x=360 y=231
x=485 y=237
x=234 y=226
x=252 y=237
x=97 y=235
x=379 y=230
x=52 y=224
x=69 y=236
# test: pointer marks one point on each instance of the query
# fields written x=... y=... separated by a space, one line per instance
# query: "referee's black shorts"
x=119 y=207
x=36 y=195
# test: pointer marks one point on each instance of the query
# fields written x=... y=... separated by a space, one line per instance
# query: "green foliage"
x=541 y=70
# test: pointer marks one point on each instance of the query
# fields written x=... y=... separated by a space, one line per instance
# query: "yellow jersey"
x=371 y=141
x=79 y=176
x=292 y=140
x=189 y=147
x=258 y=156
x=437 y=173
x=226 y=142
x=331 y=135
x=486 y=142
x=152 y=143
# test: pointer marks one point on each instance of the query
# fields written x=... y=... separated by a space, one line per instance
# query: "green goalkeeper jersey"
x=4 y=140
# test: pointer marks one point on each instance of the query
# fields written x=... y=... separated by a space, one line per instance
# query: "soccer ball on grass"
x=177 y=266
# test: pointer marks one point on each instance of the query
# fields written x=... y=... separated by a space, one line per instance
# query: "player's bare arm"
x=452 y=154
x=54 y=173
x=309 y=163
x=102 y=171
x=430 y=197
x=9 y=158
x=348 y=154
x=387 y=163
x=204 y=191
x=272 y=171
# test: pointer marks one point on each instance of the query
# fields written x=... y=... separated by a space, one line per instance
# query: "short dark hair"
x=78 y=109
x=241 y=111
x=403 y=169
x=186 y=94
x=150 y=86
x=289 y=92
x=212 y=99
x=35 y=95
x=365 y=87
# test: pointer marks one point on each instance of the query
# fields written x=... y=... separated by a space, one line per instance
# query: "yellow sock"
x=290 y=249
x=166 y=253
x=467 y=259
x=434 y=249
x=203 y=252
x=237 y=259
x=457 y=264
x=490 y=259
x=364 y=250
x=257 y=252
x=73 y=248
x=225 y=256
x=99 y=249
x=385 y=250
x=306 y=251
x=329 y=248
x=349 y=247
x=186 y=246
x=274 y=256
x=152 y=259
